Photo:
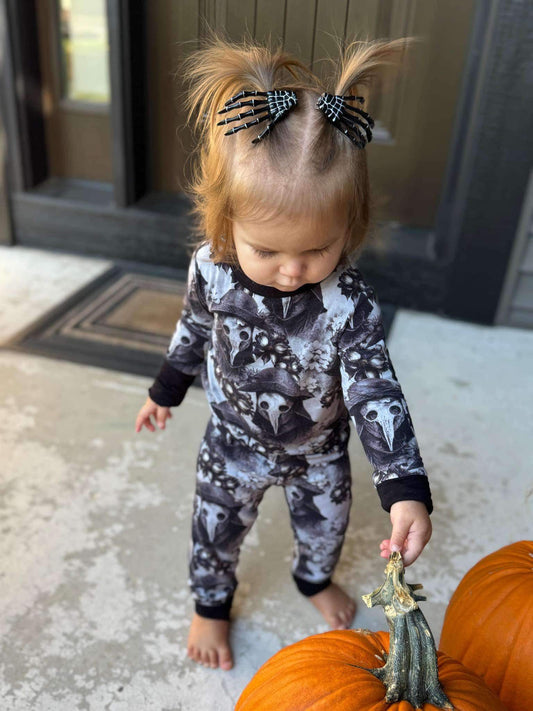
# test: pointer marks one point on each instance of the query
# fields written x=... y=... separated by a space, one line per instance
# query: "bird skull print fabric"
x=284 y=371
x=231 y=481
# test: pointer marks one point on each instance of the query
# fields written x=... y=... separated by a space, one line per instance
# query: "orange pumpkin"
x=322 y=673
x=488 y=624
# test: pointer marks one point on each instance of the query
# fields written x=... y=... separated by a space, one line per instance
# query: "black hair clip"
x=341 y=114
x=274 y=104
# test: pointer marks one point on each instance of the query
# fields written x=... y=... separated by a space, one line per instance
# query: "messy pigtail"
x=221 y=68
x=362 y=61
x=358 y=65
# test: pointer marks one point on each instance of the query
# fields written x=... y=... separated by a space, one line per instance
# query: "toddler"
x=284 y=329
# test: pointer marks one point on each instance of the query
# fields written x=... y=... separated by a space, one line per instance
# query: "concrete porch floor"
x=94 y=605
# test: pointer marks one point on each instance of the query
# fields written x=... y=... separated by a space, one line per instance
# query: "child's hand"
x=147 y=410
x=411 y=530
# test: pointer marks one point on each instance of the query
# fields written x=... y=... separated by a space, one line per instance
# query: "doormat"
x=123 y=321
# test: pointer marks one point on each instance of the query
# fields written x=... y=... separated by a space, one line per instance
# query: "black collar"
x=270 y=291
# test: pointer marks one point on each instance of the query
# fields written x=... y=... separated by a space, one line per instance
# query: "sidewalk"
x=94 y=605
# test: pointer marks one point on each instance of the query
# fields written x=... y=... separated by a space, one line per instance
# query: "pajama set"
x=284 y=372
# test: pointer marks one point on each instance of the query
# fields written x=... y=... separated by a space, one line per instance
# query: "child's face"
x=285 y=254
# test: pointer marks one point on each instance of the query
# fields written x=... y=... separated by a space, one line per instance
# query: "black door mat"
x=123 y=320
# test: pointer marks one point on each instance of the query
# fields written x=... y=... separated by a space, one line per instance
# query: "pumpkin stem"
x=410 y=672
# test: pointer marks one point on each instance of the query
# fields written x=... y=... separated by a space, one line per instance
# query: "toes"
x=342 y=620
x=337 y=621
x=194 y=654
x=226 y=662
x=211 y=657
x=198 y=656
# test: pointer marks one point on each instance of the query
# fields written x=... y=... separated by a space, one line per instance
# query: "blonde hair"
x=304 y=165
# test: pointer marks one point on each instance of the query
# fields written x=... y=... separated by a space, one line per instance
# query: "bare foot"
x=208 y=642
x=337 y=608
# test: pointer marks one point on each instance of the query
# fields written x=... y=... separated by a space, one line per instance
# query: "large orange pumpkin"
x=322 y=673
x=488 y=625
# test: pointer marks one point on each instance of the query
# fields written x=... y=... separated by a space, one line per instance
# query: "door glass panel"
x=84 y=50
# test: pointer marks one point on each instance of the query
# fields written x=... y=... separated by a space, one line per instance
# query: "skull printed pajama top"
x=284 y=372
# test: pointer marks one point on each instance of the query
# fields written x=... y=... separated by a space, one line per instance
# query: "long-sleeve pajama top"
x=285 y=371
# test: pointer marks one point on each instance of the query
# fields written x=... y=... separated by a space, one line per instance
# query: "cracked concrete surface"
x=35 y=281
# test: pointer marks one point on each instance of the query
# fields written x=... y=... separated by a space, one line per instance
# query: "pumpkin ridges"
x=335 y=699
x=299 y=663
x=301 y=680
x=462 y=685
x=512 y=640
x=512 y=689
x=488 y=625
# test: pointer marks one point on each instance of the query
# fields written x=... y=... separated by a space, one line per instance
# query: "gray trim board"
x=20 y=95
x=6 y=227
x=522 y=249
x=460 y=159
x=127 y=65
x=99 y=228
x=501 y=155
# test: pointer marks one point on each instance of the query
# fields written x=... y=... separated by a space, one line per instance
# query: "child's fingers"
x=400 y=533
x=161 y=416
x=410 y=551
x=414 y=546
x=384 y=548
x=144 y=421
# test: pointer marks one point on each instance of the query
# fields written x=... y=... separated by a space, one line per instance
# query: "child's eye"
x=265 y=255
x=321 y=251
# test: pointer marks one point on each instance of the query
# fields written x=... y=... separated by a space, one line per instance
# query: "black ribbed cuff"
x=405 y=488
x=307 y=588
x=214 y=612
x=170 y=386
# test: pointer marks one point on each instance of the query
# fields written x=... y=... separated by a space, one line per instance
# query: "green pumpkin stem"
x=410 y=672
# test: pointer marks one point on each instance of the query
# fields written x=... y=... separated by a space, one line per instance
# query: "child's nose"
x=292 y=267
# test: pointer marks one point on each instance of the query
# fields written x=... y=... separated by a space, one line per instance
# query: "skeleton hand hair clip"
x=274 y=105
x=341 y=115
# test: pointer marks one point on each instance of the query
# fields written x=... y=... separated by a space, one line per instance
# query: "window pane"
x=84 y=50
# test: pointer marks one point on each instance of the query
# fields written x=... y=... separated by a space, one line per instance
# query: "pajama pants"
x=232 y=477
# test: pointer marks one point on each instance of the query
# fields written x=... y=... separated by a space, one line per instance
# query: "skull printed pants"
x=232 y=477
